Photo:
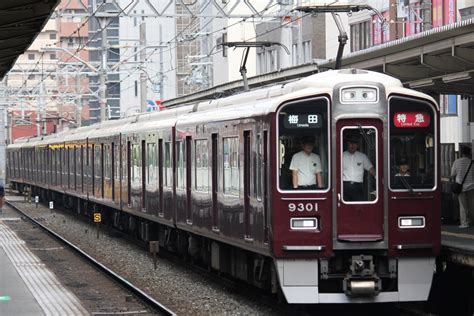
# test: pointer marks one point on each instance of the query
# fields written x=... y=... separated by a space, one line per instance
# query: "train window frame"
x=376 y=164
x=151 y=163
x=328 y=179
x=436 y=114
x=168 y=164
x=180 y=164
x=258 y=167
x=231 y=191
x=201 y=150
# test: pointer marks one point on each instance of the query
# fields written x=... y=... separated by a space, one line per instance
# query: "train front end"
x=356 y=196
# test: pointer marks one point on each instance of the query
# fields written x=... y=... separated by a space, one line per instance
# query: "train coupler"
x=362 y=279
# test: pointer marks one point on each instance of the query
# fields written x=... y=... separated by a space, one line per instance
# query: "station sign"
x=411 y=119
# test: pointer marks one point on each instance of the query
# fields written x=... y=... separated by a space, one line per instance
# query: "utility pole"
x=143 y=90
x=103 y=70
x=79 y=100
x=41 y=123
x=161 y=63
x=300 y=36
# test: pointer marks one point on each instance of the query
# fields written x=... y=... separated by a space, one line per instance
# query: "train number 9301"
x=303 y=207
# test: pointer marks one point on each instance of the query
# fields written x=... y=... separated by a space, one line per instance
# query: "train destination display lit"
x=303 y=121
x=411 y=119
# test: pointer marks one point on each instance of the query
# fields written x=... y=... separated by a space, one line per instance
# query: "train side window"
x=258 y=164
x=180 y=165
x=201 y=175
x=151 y=161
x=231 y=166
x=136 y=165
x=412 y=145
x=303 y=150
x=168 y=170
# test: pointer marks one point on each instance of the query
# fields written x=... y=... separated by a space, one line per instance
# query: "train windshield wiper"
x=368 y=140
x=406 y=184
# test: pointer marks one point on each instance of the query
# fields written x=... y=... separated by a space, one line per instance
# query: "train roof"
x=246 y=104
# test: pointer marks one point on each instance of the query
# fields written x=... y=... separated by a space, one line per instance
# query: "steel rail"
x=147 y=299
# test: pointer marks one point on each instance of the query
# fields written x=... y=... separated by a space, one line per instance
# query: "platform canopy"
x=440 y=60
x=20 y=23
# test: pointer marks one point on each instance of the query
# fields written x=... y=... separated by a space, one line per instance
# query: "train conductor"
x=305 y=167
x=353 y=165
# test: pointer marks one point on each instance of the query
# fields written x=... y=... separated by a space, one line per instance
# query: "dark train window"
x=180 y=165
x=231 y=165
x=201 y=175
x=258 y=168
x=107 y=162
x=136 y=162
x=303 y=153
x=168 y=168
x=412 y=145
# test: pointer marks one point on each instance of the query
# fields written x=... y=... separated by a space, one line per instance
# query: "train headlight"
x=304 y=223
x=411 y=222
x=359 y=95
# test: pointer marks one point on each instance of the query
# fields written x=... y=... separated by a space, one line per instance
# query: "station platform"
x=457 y=244
x=27 y=287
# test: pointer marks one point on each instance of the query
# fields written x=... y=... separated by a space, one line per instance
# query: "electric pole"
x=103 y=70
x=143 y=91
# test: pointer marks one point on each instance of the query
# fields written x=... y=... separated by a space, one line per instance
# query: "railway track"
x=248 y=293
x=140 y=294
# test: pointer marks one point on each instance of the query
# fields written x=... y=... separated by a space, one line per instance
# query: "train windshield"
x=412 y=145
x=303 y=145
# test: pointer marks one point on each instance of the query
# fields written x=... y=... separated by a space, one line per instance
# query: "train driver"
x=403 y=169
x=353 y=165
x=305 y=167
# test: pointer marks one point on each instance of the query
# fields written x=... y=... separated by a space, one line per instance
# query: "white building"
x=159 y=65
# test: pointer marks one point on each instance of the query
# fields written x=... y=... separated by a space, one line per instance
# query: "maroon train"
x=211 y=180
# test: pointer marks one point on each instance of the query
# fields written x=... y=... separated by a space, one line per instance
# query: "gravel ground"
x=185 y=292
x=97 y=292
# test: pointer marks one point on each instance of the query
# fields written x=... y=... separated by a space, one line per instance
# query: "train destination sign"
x=411 y=119
x=303 y=121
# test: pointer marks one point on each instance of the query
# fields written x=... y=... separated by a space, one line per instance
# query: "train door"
x=160 y=177
x=143 y=174
x=266 y=196
x=247 y=149
x=360 y=211
x=189 y=217
x=215 y=208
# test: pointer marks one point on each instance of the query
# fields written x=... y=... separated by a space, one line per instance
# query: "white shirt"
x=353 y=166
x=307 y=166
x=459 y=169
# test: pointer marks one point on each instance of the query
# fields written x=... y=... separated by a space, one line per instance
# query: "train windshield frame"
x=298 y=122
x=413 y=145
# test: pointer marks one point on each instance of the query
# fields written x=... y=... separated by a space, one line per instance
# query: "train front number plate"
x=303 y=207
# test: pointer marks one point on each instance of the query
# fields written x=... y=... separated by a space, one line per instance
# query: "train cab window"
x=359 y=164
x=412 y=145
x=201 y=175
x=303 y=154
x=231 y=165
